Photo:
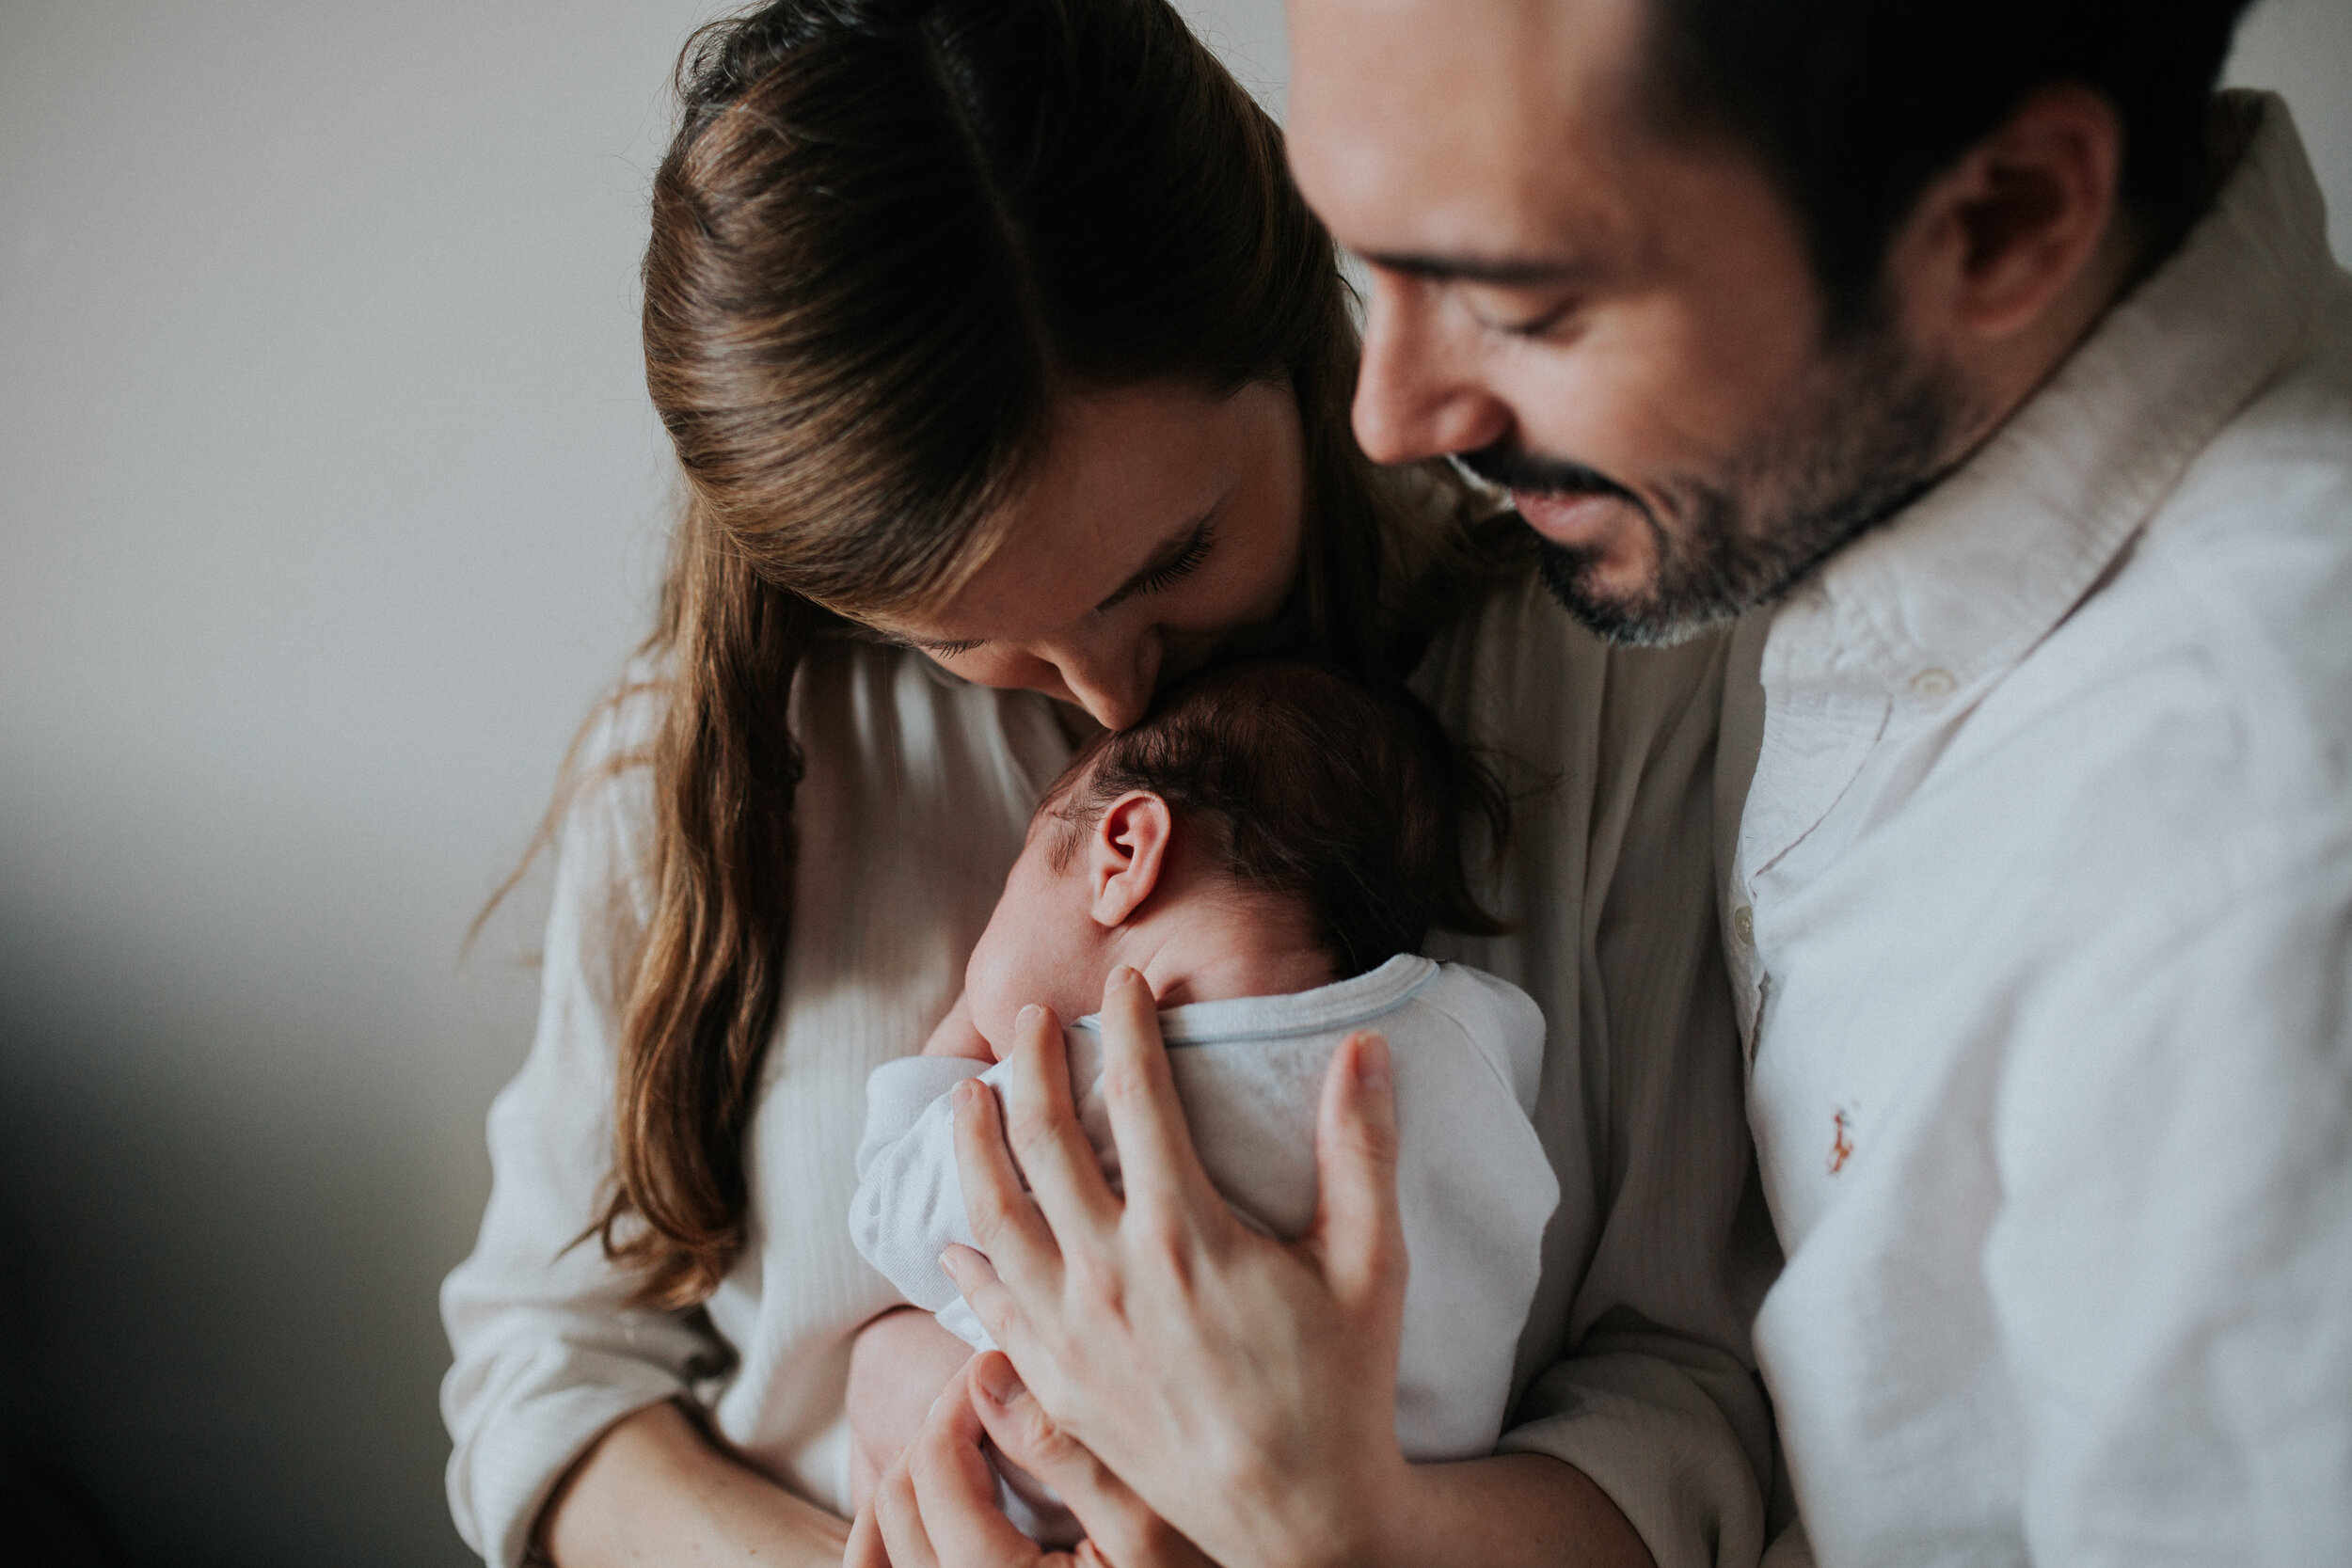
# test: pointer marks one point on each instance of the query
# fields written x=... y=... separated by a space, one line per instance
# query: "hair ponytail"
x=711 y=976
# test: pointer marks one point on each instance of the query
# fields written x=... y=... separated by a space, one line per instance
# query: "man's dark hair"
x=1854 y=105
x=1307 y=784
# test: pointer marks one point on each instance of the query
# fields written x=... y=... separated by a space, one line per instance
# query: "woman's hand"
x=1245 y=1387
x=936 y=1506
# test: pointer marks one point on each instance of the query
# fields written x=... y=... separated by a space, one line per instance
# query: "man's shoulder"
x=2228 y=627
x=2195 y=707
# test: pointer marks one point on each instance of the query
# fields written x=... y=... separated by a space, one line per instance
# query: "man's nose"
x=1414 y=399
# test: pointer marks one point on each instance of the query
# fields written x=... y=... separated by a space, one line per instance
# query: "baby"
x=1268 y=849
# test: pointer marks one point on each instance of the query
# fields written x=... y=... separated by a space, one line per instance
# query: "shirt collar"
x=1965 y=581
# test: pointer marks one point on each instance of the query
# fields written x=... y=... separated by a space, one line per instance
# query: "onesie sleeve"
x=909 y=1204
x=548 y=1352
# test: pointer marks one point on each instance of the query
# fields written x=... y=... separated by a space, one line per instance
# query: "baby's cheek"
x=991 y=983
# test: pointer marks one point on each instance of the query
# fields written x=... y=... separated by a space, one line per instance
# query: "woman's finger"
x=976 y=1281
x=864 y=1549
x=1121 y=1529
x=899 y=1521
x=955 y=1490
x=1042 y=1130
x=1156 y=1153
x=1358 y=1233
x=1004 y=1220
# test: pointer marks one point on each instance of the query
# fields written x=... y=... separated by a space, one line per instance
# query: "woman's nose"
x=1112 y=681
x=1413 y=399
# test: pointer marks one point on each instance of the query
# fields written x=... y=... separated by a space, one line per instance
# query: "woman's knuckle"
x=990 y=1211
x=1097 y=1282
x=1125 y=1081
x=1163 y=1233
x=1031 y=1127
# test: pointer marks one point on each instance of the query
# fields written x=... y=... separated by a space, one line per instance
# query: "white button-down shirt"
x=2040 y=913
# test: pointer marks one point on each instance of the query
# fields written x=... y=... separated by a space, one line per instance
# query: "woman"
x=1009 y=379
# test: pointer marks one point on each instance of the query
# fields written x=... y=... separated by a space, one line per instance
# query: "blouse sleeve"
x=549 y=1351
x=1636 y=1366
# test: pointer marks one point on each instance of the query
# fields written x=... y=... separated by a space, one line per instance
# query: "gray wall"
x=328 y=497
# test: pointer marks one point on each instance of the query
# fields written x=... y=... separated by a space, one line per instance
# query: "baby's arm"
x=901 y=1360
x=956 y=1037
x=897 y=1366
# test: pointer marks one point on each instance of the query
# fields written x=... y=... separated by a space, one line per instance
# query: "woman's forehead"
x=1125 y=473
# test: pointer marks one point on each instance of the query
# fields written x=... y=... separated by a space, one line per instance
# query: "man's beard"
x=1875 y=432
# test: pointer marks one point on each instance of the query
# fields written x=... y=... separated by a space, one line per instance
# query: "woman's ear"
x=1126 y=854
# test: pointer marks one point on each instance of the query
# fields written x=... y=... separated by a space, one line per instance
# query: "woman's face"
x=1159 y=520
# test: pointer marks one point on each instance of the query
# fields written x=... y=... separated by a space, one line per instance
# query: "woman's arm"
x=654 y=1488
x=549 y=1350
x=1242 y=1387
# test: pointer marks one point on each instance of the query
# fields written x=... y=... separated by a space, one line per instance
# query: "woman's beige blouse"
x=1634 y=1364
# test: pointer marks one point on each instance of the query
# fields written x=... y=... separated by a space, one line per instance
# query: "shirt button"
x=1931 y=683
x=1743 y=923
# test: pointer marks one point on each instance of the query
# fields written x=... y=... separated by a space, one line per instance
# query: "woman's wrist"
x=654 y=1487
x=1493 y=1512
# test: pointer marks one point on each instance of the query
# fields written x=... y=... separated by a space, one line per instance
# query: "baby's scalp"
x=1299 y=782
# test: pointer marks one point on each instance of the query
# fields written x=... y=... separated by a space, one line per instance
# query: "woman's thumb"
x=1356 y=1231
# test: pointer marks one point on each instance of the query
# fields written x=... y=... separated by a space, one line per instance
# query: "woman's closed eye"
x=1169 y=570
x=1177 y=560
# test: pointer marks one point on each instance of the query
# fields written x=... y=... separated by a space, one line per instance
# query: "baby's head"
x=1258 y=805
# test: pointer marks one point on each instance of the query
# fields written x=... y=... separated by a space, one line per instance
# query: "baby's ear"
x=1126 y=853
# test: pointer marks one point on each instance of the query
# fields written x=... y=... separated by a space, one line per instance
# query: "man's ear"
x=1125 y=855
x=2002 y=233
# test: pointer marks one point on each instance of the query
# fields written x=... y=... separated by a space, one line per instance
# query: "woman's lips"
x=1587 y=519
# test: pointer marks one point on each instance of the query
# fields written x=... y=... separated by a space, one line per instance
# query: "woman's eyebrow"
x=1173 y=549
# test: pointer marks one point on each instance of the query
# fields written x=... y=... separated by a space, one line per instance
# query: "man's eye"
x=1522 y=323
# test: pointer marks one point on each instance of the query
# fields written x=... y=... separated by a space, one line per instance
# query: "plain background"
x=329 y=497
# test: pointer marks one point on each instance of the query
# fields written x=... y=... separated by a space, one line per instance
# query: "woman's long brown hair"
x=885 y=237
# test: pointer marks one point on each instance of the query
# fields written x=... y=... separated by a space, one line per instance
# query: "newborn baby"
x=1269 y=849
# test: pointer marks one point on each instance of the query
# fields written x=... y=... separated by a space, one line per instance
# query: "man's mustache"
x=1514 y=468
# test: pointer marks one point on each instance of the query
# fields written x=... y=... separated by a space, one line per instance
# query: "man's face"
x=1621 y=327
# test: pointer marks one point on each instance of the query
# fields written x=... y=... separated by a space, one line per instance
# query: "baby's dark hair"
x=1306 y=783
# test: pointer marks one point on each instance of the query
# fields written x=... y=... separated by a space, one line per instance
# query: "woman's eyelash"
x=948 y=650
x=1196 y=551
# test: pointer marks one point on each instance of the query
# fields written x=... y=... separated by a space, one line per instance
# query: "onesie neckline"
x=1340 y=1004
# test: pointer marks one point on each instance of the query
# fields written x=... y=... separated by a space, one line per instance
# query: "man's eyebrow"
x=1172 y=549
x=1506 y=272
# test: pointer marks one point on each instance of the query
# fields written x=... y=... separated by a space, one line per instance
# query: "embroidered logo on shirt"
x=1841 y=1144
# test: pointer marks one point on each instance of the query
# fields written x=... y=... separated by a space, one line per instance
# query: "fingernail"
x=1372 y=1063
x=999 y=1384
x=1028 y=1015
x=947 y=1262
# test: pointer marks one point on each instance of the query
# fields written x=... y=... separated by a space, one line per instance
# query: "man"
x=2002 y=372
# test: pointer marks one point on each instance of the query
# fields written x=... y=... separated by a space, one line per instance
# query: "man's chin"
x=1632 y=618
